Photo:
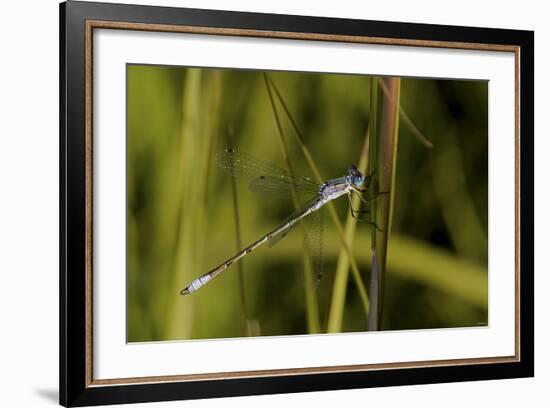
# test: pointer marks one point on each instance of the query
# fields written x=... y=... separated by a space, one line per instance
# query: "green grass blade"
x=407 y=121
x=412 y=260
x=383 y=158
x=312 y=307
x=184 y=256
x=251 y=326
x=332 y=210
x=336 y=312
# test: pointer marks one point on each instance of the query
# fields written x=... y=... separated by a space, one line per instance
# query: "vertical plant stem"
x=184 y=254
x=336 y=312
x=204 y=151
x=248 y=325
x=312 y=308
x=251 y=327
x=383 y=157
x=332 y=210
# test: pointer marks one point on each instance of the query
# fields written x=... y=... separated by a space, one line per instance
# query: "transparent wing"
x=277 y=185
x=313 y=240
x=266 y=177
x=276 y=239
x=279 y=237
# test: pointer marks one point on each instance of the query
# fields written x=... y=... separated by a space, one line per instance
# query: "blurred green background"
x=181 y=217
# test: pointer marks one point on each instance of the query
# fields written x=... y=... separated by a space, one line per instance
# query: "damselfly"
x=269 y=178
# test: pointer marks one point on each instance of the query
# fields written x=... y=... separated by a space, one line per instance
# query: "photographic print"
x=271 y=203
x=296 y=198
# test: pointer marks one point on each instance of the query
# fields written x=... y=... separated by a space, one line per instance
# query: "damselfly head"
x=355 y=177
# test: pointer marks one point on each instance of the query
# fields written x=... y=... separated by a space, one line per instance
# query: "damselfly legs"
x=267 y=178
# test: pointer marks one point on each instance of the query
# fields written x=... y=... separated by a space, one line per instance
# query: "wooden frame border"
x=98 y=24
x=83 y=18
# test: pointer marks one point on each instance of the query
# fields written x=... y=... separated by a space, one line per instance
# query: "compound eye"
x=358 y=180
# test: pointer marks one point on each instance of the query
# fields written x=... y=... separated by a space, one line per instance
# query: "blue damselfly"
x=268 y=178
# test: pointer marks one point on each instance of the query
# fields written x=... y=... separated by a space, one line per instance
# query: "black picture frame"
x=76 y=387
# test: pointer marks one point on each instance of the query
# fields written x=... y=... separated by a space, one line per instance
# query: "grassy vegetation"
x=185 y=216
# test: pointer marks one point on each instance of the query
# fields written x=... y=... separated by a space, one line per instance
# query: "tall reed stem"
x=384 y=130
x=238 y=242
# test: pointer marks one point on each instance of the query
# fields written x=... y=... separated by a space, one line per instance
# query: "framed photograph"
x=256 y=203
